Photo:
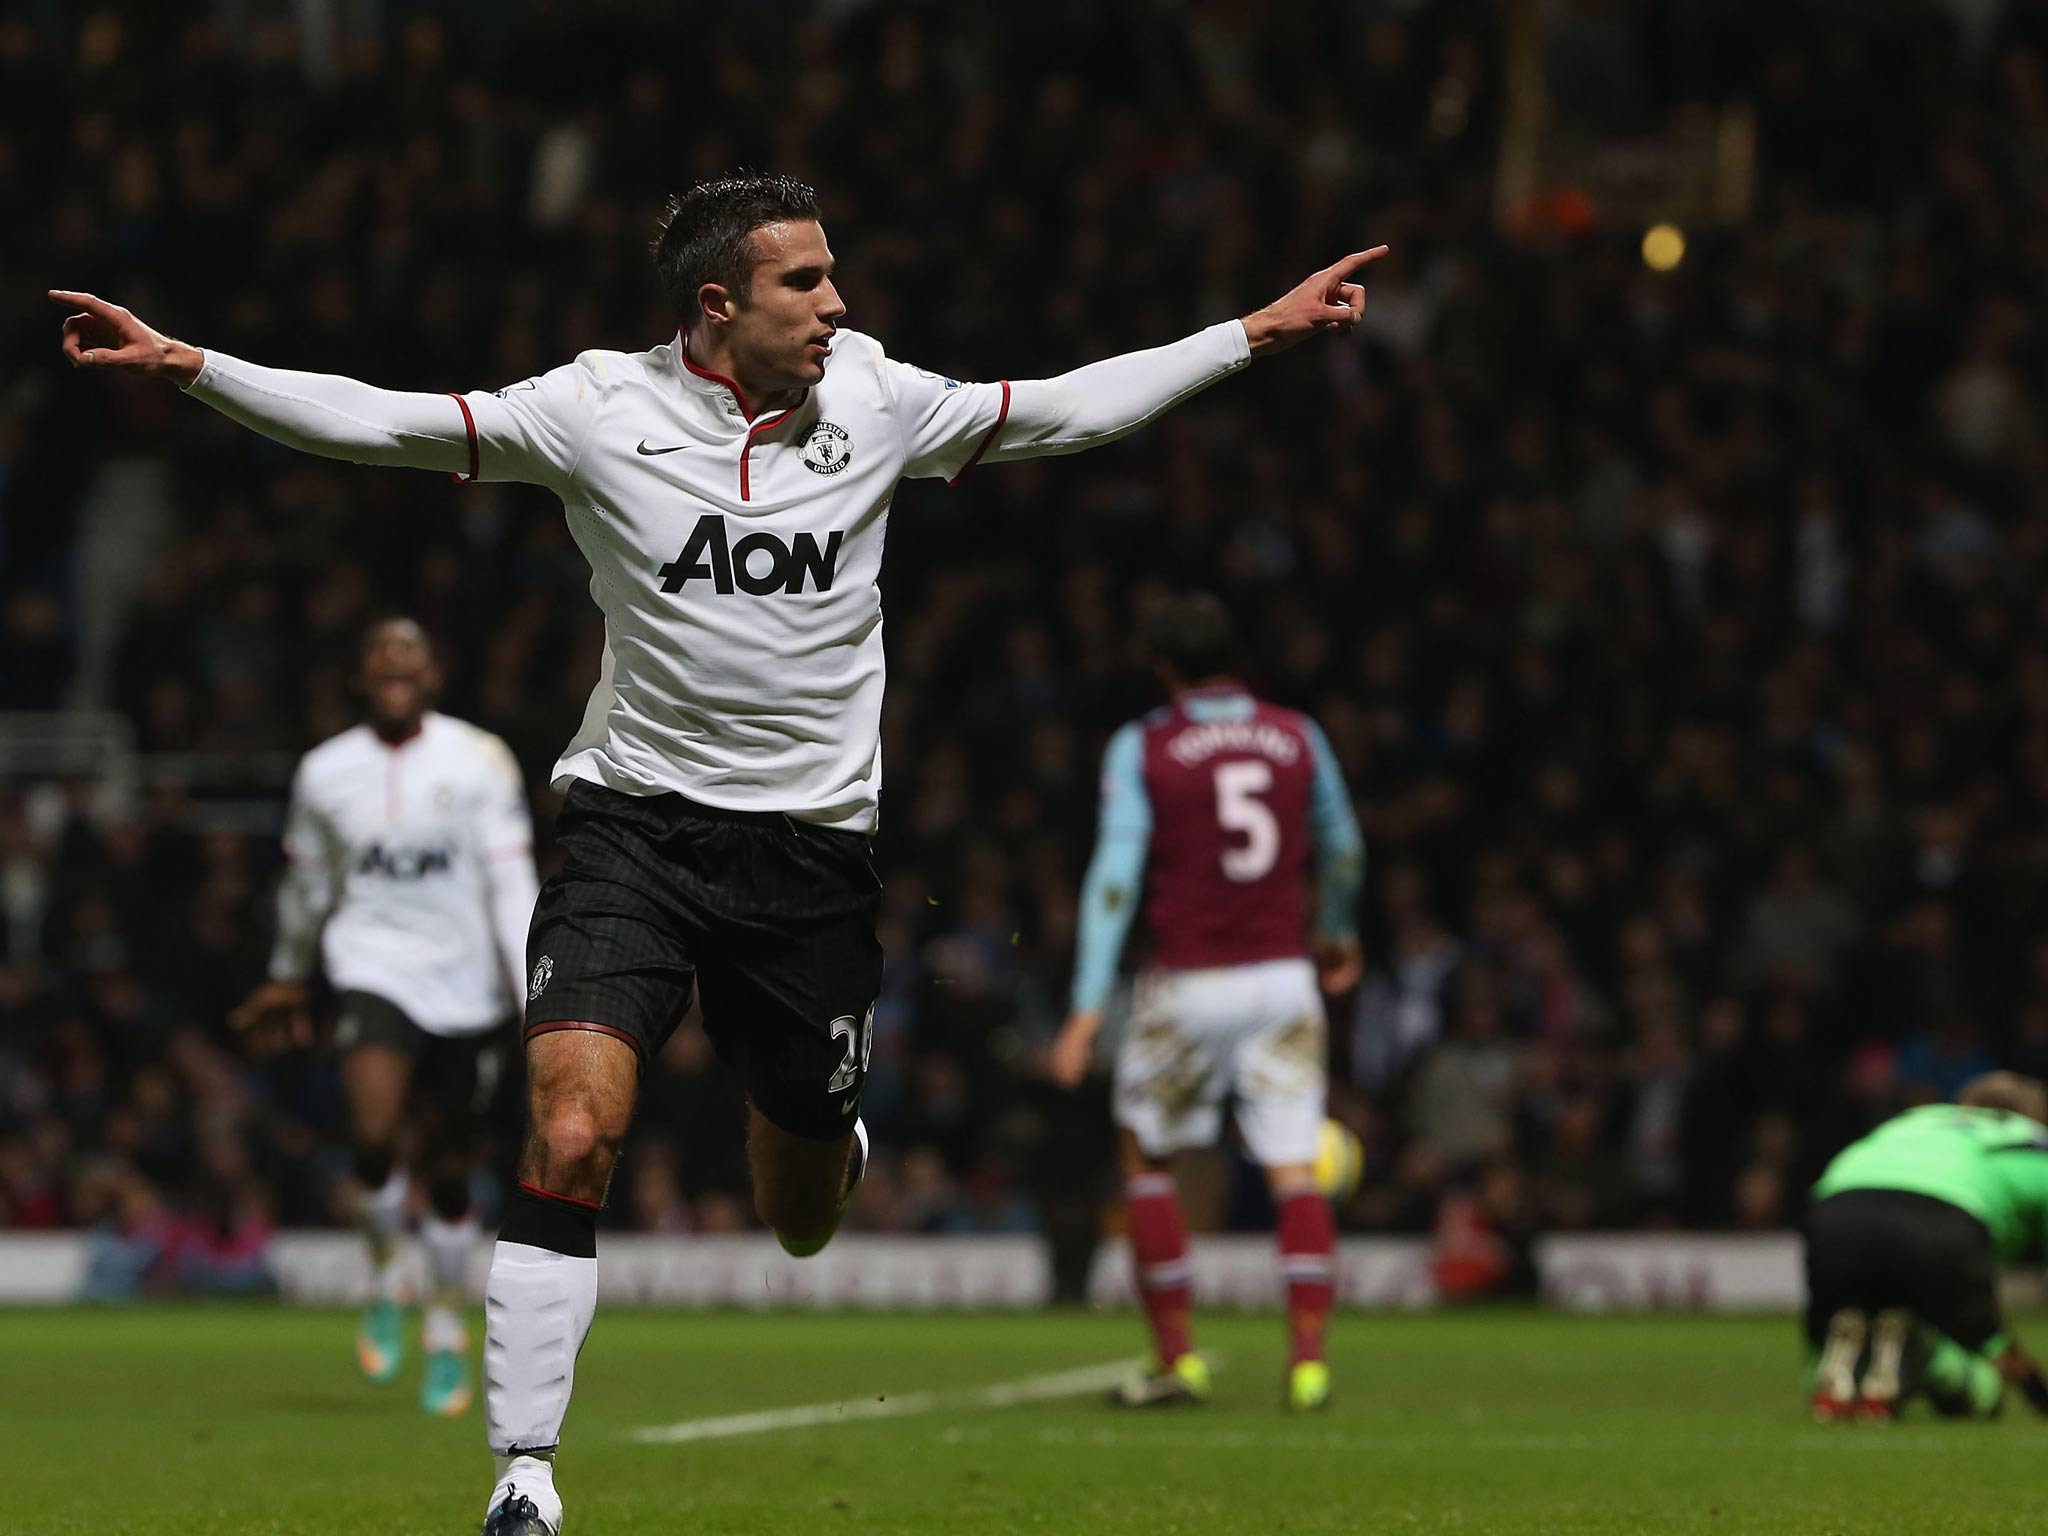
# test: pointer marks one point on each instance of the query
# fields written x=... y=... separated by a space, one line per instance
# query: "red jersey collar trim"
x=725 y=382
x=738 y=394
x=418 y=730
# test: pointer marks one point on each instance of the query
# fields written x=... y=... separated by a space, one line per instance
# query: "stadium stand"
x=1680 y=633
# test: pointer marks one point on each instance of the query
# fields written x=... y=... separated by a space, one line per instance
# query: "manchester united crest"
x=828 y=449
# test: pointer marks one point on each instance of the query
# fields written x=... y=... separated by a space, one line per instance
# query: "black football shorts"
x=457 y=1076
x=772 y=917
x=1879 y=1248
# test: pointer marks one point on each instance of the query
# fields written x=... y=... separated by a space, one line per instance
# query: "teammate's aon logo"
x=397 y=861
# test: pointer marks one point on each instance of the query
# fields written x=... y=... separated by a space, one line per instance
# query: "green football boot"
x=380 y=1341
x=446 y=1393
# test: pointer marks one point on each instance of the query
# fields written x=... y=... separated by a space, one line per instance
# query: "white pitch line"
x=1002 y=1394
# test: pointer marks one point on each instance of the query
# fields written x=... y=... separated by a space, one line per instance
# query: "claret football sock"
x=538 y=1305
x=1308 y=1244
x=1159 y=1249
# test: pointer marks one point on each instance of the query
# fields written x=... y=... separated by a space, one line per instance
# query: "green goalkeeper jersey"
x=1992 y=1163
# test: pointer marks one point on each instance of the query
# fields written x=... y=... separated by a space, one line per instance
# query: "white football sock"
x=533 y=1477
x=537 y=1310
x=449 y=1245
x=441 y=1331
x=380 y=1216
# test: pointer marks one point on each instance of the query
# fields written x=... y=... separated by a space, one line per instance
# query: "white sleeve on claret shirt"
x=533 y=431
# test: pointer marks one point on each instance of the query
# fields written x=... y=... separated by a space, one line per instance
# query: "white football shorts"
x=1252 y=1033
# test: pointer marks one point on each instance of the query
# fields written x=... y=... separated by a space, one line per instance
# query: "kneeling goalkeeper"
x=1903 y=1244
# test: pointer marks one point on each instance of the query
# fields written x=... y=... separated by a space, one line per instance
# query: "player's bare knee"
x=803 y=1220
x=801 y=1240
x=573 y=1147
x=1286 y=1180
x=448 y=1195
x=1133 y=1161
x=374 y=1159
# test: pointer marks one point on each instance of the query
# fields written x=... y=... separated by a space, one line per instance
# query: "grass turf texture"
x=253 y=1421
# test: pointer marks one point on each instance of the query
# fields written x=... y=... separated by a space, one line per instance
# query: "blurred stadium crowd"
x=1681 y=635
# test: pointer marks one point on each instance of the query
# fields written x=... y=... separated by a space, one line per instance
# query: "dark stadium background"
x=1681 y=633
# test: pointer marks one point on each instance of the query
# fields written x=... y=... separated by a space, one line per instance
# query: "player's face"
x=782 y=335
x=399 y=676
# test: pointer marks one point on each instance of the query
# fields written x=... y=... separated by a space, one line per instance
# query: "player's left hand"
x=1325 y=301
x=275 y=1018
x=1074 y=1049
x=1340 y=964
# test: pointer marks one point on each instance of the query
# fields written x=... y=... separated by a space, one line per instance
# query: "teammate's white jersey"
x=412 y=867
x=734 y=554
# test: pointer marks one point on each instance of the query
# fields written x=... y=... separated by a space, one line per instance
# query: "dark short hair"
x=1194 y=635
x=384 y=621
x=2008 y=1091
x=706 y=233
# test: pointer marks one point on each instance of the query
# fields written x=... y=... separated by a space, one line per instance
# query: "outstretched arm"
x=1107 y=400
x=532 y=432
x=319 y=413
x=950 y=427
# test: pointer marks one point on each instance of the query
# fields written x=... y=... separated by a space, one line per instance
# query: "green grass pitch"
x=253 y=1422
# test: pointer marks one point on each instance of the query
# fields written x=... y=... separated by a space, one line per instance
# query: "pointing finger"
x=92 y=304
x=1355 y=260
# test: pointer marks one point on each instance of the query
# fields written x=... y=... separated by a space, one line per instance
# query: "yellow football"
x=1340 y=1160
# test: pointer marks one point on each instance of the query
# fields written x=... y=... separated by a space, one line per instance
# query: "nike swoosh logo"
x=653 y=452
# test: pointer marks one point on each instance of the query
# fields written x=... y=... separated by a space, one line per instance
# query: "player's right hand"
x=2023 y=1373
x=1073 y=1049
x=103 y=335
x=277 y=1017
x=1340 y=965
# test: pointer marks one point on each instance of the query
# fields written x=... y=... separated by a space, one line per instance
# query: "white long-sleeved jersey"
x=734 y=553
x=410 y=865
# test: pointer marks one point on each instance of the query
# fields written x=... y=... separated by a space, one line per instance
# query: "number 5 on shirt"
x=1239 y=809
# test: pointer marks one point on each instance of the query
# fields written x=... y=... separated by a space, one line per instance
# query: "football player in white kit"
x=731 y=490
x=410 y=871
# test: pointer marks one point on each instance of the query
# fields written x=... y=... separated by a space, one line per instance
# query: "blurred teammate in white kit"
x=411 y=871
